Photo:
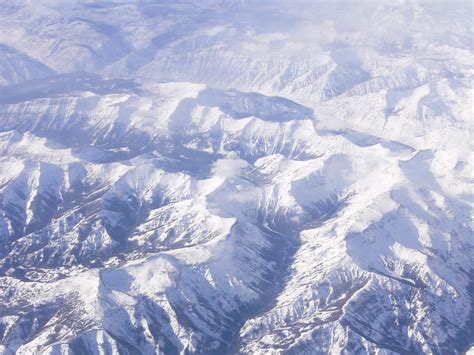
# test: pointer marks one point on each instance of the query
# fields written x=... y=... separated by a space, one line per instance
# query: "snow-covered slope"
x=250 y=177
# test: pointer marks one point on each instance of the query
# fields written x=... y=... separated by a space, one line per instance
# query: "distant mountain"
x=219 y=177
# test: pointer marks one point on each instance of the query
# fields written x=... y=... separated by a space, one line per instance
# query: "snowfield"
x=223 y=177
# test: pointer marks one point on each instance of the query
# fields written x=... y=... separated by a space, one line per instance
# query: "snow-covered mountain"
x=220 y=177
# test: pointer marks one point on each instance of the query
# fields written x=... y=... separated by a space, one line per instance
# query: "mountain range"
x=222 y=177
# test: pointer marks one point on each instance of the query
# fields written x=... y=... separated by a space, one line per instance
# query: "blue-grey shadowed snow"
x=144 y=56
x=18 y=67
x=189 y=161
x=193 y=214
x=366 y=140
x=64 y=84
x=111 y=50
x=240 y=105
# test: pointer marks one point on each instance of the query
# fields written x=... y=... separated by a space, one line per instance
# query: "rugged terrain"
x=256 y=177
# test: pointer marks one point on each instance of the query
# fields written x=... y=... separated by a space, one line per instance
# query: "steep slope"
x=256 y=177
x=196 y=228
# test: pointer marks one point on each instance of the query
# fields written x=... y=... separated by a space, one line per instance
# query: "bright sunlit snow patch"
x=214 y=177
